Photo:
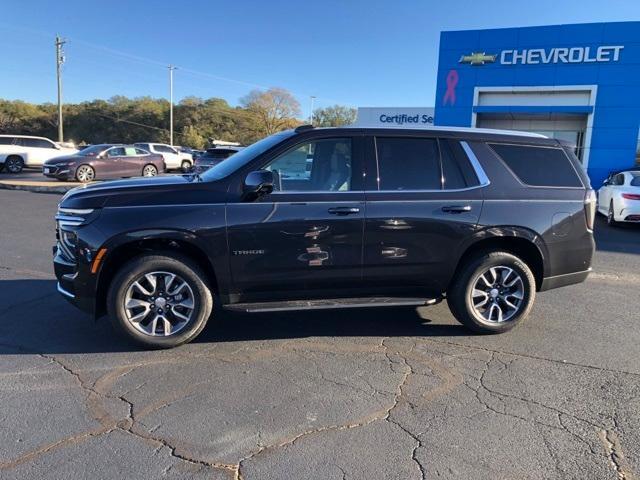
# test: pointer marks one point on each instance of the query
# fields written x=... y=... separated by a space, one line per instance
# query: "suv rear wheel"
x=185 y=166
x=492 y=292
x=14 y=164
x=159 y=301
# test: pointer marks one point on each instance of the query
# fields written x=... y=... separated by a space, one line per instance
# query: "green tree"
x=190 y=137
x=334 y=116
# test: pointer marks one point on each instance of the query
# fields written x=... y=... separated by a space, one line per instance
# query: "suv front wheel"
x=159 y=301
x=492 y=292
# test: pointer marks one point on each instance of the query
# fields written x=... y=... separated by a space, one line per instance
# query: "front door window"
x=318 y=166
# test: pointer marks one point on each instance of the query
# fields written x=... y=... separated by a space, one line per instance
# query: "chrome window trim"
x=475 y=164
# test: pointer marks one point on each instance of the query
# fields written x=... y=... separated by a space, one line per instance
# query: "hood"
x=61 y=159
x=145 y=191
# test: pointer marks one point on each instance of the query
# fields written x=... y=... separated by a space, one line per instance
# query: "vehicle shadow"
x=35 y=319
x=624 y=238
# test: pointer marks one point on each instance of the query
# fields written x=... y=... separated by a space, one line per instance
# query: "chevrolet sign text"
x=535 y=56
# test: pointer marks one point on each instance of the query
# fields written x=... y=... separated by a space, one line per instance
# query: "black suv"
x=332 y=218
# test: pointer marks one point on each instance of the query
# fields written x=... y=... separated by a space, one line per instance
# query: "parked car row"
x=104 y=161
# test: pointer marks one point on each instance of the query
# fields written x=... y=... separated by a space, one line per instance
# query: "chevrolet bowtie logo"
x=478 y=58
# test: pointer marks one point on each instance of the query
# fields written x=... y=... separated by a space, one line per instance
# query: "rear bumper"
x=549 y=283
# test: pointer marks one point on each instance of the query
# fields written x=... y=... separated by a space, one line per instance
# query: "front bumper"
x=59 y=172
x=70 y=285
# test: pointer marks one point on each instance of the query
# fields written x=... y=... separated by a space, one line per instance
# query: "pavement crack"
x=533 y=357
x=614 y=452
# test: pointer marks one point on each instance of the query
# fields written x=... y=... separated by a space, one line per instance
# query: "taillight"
x=631 y=196
x=590 y=208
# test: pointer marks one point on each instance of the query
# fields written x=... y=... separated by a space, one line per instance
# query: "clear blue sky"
x=360 y=53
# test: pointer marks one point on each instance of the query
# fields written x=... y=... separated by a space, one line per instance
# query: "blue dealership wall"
x=616 y=115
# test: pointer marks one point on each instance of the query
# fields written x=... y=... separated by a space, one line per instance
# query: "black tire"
x=172 y=263
x=611 y=221
x=185 y=166
x=14 y=164
x=461 y=292
x=1 y=167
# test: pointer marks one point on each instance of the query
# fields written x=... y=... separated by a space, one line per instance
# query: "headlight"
x=68 y=244
x=67 y=238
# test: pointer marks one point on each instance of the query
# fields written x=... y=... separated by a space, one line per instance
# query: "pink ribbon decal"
x=450 y=94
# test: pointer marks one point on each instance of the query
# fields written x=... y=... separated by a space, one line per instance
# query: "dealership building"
x=579 y=83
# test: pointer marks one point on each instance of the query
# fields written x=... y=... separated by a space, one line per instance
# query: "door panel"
x=305 y=238
x=131 y=163
x=412 y=239
x=416 y=219
x=296 y=242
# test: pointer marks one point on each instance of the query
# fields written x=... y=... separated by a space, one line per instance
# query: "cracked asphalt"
x=367 y=394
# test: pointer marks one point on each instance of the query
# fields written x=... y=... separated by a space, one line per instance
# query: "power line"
x=157 y=63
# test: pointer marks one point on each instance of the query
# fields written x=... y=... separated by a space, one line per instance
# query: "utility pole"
x=171 y=69
x=59 y=61
x=311 y=114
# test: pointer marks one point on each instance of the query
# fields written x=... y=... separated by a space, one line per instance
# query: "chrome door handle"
x=344 y=210
x=456 y=208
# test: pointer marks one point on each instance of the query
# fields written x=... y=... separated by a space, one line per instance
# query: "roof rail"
x=303 y=128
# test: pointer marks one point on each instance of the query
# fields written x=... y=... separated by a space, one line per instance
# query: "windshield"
x=238 y=160
x=93 y=150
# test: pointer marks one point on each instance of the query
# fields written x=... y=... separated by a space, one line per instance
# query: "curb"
x=34 y=187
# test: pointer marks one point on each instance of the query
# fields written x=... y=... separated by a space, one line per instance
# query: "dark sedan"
x=213 y=156
x=105 y=161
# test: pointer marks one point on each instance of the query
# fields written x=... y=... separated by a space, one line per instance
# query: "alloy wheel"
x=149 y=171
x=498 y=294
x=85 y=173
x=13 y=165
x=159 y=303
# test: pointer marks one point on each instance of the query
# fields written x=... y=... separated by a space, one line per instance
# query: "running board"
x=331 y=304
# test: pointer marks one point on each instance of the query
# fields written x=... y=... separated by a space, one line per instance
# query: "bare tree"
x=273 y=110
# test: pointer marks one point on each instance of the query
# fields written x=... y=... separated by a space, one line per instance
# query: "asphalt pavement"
x=394 y=393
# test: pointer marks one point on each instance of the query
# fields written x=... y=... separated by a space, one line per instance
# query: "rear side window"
x=457 y=172
x=539 y=166
x=408 y=164
x=36 y=143
x=6 y=140
x=635 y=180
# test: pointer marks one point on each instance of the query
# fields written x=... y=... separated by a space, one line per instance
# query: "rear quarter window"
x=538 y=166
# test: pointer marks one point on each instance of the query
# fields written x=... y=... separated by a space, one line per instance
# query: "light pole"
x=311 y=114
x=59 y=61
x=171 y=69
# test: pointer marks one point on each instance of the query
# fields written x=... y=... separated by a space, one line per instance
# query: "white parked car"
x=19 y=151
x=619 y=197
x=174 y=159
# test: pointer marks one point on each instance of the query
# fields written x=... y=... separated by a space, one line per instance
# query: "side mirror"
x=257 y=184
